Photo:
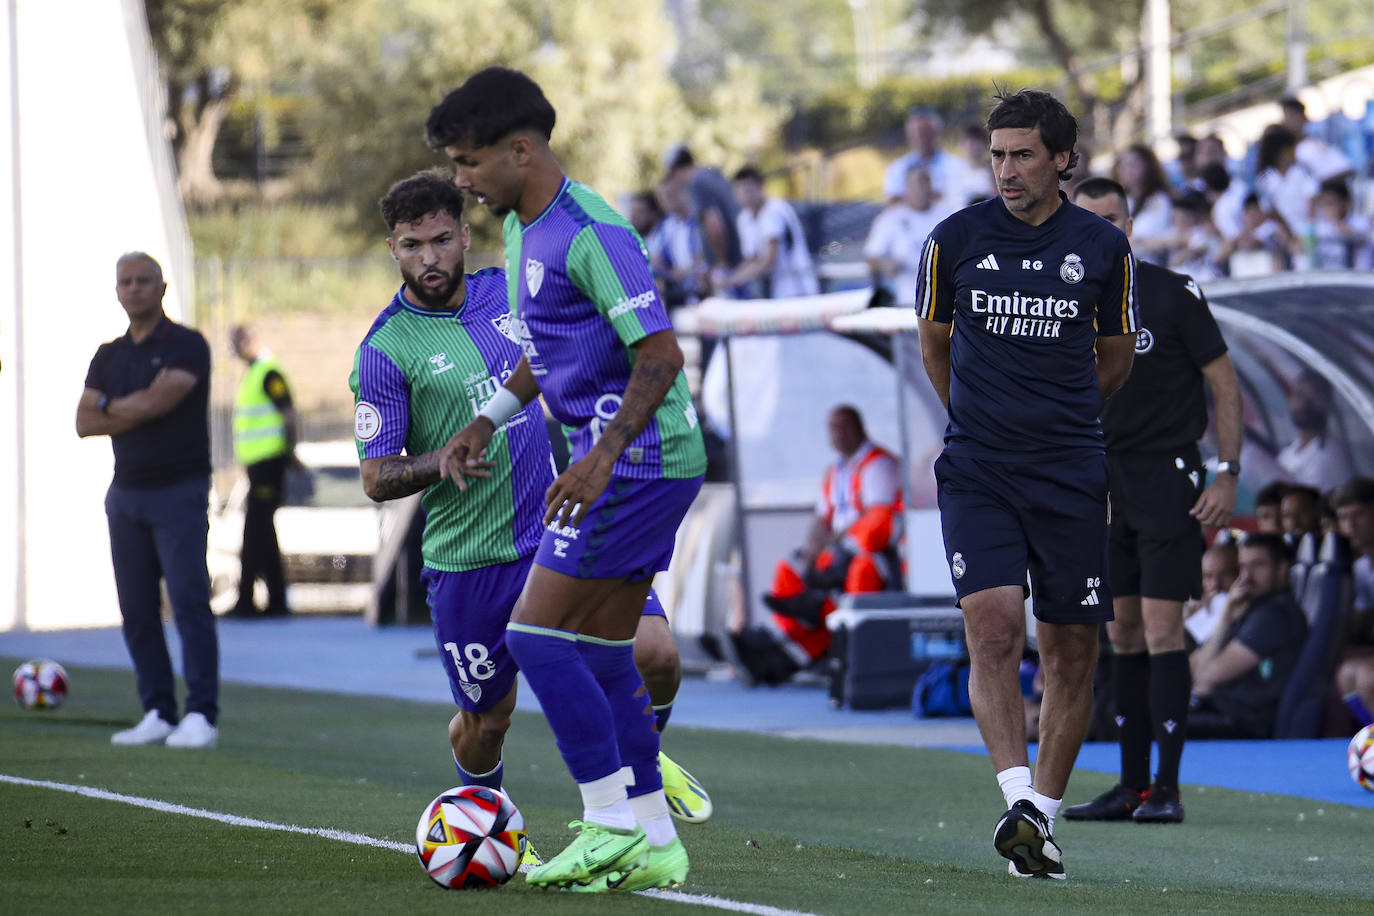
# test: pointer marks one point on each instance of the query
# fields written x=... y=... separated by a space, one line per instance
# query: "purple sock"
x=613 y=666
x=571 y=699
x=491 y=780
x=661 y=714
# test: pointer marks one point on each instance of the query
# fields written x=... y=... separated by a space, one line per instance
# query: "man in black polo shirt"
x=1159 y=504
x=149 y=392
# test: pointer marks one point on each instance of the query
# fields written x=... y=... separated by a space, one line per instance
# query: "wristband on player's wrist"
x=502 y=406
x=103 y=405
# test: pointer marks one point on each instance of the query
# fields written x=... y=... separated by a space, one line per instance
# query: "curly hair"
x=1035 y=108
x=412 y=199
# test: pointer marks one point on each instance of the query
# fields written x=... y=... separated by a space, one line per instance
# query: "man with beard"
x=599 y=347
x=431 y=361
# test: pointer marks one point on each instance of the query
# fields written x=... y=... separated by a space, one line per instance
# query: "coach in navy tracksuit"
x=1027 y=324
x=149 y=391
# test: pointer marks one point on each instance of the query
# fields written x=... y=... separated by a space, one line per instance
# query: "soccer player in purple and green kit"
x=599 y=346
x=425 y=368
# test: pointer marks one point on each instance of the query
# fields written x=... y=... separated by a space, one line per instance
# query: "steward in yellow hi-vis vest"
x=264 y=443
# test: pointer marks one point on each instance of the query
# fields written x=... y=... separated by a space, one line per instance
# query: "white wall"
x=93 y=179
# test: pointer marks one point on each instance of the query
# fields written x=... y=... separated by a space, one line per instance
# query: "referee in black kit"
x=1158 y=506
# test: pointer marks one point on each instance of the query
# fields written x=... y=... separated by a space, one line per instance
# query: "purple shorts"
x=628 y=533
x=470 y=611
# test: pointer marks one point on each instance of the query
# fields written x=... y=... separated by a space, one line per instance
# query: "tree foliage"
x=375 y=75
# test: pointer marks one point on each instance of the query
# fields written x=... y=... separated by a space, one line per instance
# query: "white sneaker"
x=152 y=730
x=194 y=731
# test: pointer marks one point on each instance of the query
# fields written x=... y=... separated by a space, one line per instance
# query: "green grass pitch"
x=799 y=825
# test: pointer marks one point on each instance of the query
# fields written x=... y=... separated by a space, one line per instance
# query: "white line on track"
x=358 y=839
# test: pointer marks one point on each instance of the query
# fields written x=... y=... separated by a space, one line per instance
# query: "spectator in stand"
x=1285 y=186
x=713 y=206
x=851 y=548
x=1147 y=187
x=1240 y=672
x=1300 y=513
x=1354 y=504
x=1263 y=246
x=772 y=242
x=1184 y=172
x=947 y=172
x=977 y=184
x=1197 y=245
x=1342 y=240
x=1320 y=158
x=678 y=256
x=1269 y=507
x=1212 y=151
x=1220 y=566
x=1227 y=198
x=893 y=247
x=645 y=213
x=1314 y=458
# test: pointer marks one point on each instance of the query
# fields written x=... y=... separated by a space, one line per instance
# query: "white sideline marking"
x=359 y=839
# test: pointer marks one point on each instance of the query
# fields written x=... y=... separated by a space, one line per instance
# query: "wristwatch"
x=1229 y=467
x=103 y=403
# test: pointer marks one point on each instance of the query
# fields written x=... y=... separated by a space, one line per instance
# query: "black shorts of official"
x=1155 y=547
x=1002 y=520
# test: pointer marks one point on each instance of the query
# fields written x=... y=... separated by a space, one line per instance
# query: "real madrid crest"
x=1071 y=271
x=957 y=565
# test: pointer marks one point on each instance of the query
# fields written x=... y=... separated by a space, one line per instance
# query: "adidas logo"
x=1092 y=599
x=989 y=263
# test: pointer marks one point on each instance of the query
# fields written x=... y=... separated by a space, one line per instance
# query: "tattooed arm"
x=657 y=363
x=394 y=476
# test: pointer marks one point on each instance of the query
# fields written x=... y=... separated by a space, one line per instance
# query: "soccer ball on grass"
x=469 y=838
x=40 y=684
x=1360 y=757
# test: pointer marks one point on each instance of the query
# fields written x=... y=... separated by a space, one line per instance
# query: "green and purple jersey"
x=419 y=376
x=581 y=286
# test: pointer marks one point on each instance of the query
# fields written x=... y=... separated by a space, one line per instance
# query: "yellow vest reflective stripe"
x=259 y=427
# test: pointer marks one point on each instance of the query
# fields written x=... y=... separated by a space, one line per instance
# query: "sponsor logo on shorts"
x=1144 y=340
x=560 y=547
x=367 y=421
x=957 y=565
x=623 y=305
x=563 y=531
x=1092 y=600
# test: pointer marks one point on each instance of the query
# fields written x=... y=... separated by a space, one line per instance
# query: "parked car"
x=327 y=528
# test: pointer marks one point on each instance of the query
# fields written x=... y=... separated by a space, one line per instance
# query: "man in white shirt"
x=893 y=247
x=772 y=242
x=947 y=173
x=1220 y=566
x=1316 y=155
x=1314 y=458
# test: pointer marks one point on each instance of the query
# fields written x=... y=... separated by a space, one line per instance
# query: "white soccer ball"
x=1360 y=757
x=469 y=838
x=40 y=684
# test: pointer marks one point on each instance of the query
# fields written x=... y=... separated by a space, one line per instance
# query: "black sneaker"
x=1116 y=804
x=1023 y=836
x=1161 y=806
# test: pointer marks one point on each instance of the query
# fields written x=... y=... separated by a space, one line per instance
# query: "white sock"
x=652 y=813
x=1048 y=807
x=1016 y=785
x=604 y=802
